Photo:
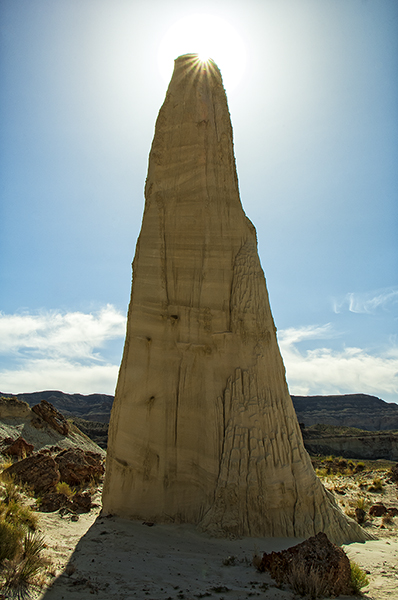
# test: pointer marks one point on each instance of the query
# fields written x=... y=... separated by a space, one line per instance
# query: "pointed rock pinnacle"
x=203 y=429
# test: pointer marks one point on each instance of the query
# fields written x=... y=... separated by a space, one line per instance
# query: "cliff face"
x=203 y=429
x=351 y=443
x=348 y=410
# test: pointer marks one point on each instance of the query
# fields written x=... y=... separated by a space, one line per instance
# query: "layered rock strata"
x=203 y=429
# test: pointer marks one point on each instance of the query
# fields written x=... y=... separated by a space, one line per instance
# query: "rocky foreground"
x=112 y=558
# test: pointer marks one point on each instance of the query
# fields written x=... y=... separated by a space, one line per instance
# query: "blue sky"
x=315 y=118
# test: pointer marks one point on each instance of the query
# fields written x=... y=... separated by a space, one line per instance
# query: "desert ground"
x=112 y=558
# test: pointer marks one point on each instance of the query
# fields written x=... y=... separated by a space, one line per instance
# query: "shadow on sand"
x=120 y=559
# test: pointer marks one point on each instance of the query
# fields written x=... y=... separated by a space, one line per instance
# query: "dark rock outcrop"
x=39 y=472
x=394 y=473
x=76 y=466
x=377 y=510
x=42 y=472
x=19 y=448
x=316 y=557
x=78 y=503
x=52 y=416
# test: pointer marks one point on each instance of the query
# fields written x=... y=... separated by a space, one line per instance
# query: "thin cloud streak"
x=327 y=371
x=369 y=303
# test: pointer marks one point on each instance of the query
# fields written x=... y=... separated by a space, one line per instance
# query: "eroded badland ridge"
x=361 y=411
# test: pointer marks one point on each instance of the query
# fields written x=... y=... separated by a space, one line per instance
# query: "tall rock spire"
x=203 y=429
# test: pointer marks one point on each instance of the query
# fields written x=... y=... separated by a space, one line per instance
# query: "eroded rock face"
x=52 y=416
x=203 y=429
x=19 y=448
x=11 y=408
x=39 y=472
x=76 y=466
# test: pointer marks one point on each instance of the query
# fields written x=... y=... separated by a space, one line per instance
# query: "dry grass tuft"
x=309 y=583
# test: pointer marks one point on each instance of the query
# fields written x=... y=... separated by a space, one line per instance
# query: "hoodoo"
x=203 y=429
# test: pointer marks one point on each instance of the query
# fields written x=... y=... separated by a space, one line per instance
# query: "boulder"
x=52 y=416
x=81 y=502
x=39 y=472
x=19 y=448
x=317 y=558
x=360 y=515
x=394 y=473
x=52 y=501
x=377 y=510
x=392 y=511
x=78 y=503
x=77 y=466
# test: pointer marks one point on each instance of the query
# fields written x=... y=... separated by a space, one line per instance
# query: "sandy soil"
x=112 y=558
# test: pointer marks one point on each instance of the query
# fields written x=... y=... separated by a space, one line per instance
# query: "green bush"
x=21 y=558
x=63 y=488
x=11 y=536
x=359 y=578
x=377 y=485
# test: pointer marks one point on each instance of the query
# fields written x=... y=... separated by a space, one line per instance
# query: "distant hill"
x=337 y=414
x=94 y=407
x=350 y=410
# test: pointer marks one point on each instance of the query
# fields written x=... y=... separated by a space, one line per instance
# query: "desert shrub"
x=11 y=537
x=321 y=472
x=18 y=514
x=377 y=485
x=63 y=488
x=360 y=466
x=361 y=502
x=4 y=465
x=359 y=578
x=20 y=572
x=21 y=548
x=309 y=583
x=10 y=491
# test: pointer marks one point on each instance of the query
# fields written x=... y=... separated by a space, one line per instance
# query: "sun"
x=209 y=36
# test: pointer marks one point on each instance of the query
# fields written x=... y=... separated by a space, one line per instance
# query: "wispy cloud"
x=70 y=335
x=368 y=303
x=327 y=371
x=69 y=352
x=54 y=350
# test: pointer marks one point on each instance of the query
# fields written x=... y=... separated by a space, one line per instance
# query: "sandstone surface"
x=203 y=429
